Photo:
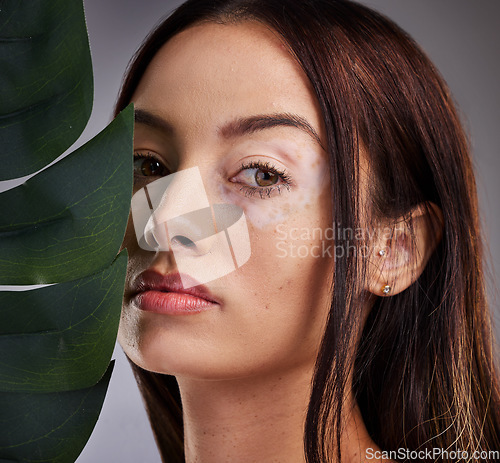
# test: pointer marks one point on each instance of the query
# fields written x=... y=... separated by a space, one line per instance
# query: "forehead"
x=224 y=71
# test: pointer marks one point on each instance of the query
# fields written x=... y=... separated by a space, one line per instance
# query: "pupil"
x=150 y=167
x=265 y=178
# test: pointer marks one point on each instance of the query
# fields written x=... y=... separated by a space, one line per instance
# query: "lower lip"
x=172 y=303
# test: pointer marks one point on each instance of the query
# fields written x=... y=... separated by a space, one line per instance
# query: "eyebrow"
x=238 y=127
x=156 y=122
x=253 y=124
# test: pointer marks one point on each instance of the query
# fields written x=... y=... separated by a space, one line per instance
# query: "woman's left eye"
x=262 y=179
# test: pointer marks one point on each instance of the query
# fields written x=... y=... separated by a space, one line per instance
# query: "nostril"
x=182 y=240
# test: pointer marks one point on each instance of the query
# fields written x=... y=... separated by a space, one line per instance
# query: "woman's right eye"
x=147 y=165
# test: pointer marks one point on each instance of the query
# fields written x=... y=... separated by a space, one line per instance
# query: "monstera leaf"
x=64 y=226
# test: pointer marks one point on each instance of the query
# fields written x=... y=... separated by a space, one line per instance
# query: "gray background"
x=461 y=36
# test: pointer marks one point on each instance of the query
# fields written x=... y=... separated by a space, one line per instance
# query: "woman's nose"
x=179 y=214
x=174 y=214
x=187 y=234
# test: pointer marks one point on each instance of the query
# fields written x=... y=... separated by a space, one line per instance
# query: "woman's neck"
x=248 y=420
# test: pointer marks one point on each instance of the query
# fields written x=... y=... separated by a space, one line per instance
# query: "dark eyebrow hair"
x=253 y=124
x=241 y=126
x=142 y=116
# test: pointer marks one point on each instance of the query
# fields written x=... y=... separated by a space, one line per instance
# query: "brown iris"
x=149 y=167
x=266 y=178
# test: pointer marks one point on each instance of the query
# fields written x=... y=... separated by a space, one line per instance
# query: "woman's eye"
x=258 y=177
x=261 y=178
x=148 y=166
x=266 y=178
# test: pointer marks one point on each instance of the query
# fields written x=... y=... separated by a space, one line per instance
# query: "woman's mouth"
x=165 y=294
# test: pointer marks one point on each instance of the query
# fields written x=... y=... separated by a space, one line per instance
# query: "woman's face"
x=230 y=101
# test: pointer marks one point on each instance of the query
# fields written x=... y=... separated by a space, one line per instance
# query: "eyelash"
x=264 y=192
x=249 y=191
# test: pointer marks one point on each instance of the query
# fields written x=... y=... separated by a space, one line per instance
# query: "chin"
x=159 y=352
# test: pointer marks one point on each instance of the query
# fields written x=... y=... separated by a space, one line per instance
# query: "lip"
x=165 y=294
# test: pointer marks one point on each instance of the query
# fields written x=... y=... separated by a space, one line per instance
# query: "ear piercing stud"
x=386 y=289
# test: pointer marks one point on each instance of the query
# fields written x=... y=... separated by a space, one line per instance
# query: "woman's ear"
x=401 y=251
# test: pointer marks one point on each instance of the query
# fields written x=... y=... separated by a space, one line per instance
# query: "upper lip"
x=151 y=280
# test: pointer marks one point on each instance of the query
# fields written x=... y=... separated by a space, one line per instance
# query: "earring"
x=386 y=289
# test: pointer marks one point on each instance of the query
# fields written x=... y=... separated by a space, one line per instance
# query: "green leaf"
x=73 y=337
x=49 y=427
x=69 y=220
x=46 y=82
x=64 y=224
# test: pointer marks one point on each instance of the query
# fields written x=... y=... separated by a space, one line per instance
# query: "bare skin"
x=245 y=366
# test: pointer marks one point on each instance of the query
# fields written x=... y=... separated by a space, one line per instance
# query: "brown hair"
x=424 y=374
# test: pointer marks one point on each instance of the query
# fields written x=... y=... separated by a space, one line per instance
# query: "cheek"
x=130 y=329
x=265 y=214
x=288 y=265
x=135 y=255
x=286 y=300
